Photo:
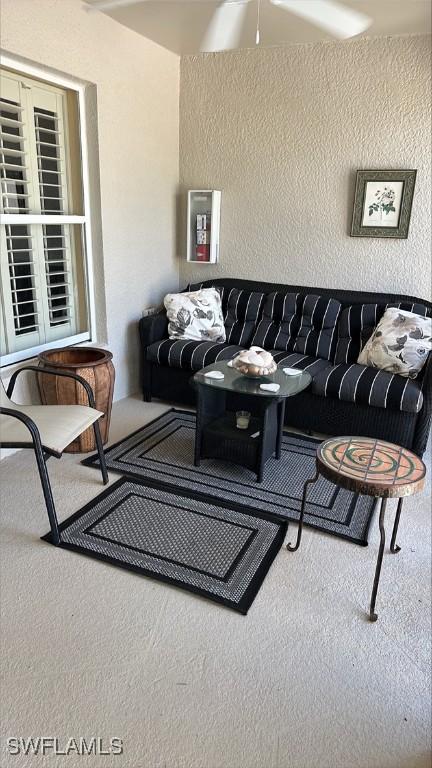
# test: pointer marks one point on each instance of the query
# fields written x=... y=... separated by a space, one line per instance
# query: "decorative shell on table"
x=255 y=362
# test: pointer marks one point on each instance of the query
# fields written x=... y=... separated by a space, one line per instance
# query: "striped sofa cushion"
x=191 y=355
x=280 y=322
x=354 y=383
x=357 y=323
x=317 y=333
x=242 y=313
x=312 y=365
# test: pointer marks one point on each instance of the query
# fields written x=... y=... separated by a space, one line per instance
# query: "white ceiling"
x=179 y=25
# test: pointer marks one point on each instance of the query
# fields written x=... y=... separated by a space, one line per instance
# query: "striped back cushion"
x=317 y=334
x=280 y=322
x=225 y=293
x=357 y=323
x=243 y=309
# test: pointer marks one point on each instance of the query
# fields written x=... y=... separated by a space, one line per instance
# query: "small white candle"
x=242 y=419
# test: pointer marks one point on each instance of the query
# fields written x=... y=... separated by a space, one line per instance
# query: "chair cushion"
x=354 y=383
x=304 y=362
x=243 y=312
x=58 y=425
x=357 y=323
x=317 y=333
x=190 y=355
x=280 y=322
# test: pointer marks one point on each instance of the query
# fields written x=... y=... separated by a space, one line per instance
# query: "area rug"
x=218 y=550
x=163 y=450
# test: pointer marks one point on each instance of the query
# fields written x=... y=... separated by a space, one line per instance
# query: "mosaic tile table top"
x=371 y=467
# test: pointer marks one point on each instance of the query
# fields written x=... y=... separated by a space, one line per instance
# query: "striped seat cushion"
x=357 y=323
x=243 y=311
x=304 y=362
x=317 y=333
x=191 y=355
x=280 y=322
x=354 y=383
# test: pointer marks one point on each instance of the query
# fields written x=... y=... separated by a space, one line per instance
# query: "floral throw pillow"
x=196 y=315
x=399 y=344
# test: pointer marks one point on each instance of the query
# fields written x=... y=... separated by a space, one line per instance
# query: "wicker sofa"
x=316 y=329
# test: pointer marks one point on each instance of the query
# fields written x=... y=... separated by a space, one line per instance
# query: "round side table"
x=372 y=468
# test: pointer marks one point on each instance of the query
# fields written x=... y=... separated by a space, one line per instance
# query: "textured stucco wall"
x=137 y=89
x=282 y=131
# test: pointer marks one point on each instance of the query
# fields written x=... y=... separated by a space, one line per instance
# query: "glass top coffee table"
x=217 y=434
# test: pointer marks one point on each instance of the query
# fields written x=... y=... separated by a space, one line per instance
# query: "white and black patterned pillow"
x=223 y=291
x=400 y=343
x=196 y=315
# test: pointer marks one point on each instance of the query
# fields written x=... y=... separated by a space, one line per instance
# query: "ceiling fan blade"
x=338 y=19
x=111 y=5
x=224 y=30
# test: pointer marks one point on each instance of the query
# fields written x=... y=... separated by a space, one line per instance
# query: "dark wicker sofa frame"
x=311 y=412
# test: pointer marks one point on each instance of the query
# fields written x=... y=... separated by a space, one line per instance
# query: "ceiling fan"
x=224 y=30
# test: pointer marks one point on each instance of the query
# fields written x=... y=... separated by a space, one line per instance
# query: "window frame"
x=85 y=220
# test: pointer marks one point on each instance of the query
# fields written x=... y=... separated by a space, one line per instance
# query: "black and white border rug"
x=219 y=550
x=163 y=451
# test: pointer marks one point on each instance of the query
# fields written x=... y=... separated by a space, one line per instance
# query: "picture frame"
x=382 y=203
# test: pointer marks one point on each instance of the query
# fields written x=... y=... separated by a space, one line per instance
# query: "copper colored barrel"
x=96 y=367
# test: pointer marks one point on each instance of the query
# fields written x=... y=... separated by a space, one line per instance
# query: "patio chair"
x=48 y=429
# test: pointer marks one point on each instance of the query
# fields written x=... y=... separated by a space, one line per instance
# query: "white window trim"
x=24 y=355
x=33 y=70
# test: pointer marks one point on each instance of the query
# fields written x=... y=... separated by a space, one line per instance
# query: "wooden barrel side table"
x=96 y=367
x=372 y=468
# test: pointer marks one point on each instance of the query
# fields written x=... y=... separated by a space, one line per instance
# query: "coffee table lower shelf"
x=221 y=439
x=218 y=437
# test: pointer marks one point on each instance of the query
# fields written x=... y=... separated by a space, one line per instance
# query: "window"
x=44 y=297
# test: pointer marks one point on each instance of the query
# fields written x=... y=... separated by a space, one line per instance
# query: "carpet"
x=204 y=545
x=163 y=451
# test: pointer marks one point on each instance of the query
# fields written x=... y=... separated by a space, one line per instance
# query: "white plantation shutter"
x=58 y=275
x=39 y=289
x=21 y=294
x=14 y=174
x=20 y=288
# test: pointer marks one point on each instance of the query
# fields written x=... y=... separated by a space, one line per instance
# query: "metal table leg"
x=372 y=615
x=302 y=511
x=393 y=546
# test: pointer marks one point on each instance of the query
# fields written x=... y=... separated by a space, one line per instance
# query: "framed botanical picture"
x=382 y=203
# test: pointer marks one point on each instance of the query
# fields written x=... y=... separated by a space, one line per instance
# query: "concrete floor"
x=304 y=681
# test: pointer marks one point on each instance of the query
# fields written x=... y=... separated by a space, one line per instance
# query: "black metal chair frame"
x=42 y=453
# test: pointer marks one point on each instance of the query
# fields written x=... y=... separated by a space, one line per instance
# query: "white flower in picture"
x=382 y=204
